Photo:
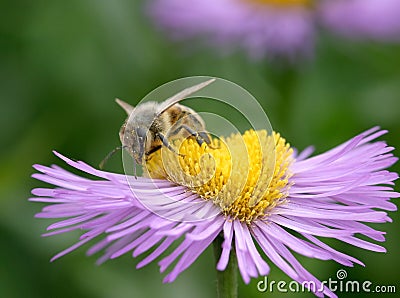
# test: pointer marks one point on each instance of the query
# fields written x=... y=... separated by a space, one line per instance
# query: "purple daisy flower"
x=329 y=195
x=274 y=27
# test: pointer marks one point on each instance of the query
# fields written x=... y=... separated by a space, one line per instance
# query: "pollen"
x=245 y=175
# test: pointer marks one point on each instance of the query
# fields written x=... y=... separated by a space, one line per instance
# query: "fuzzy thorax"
x=245 y=175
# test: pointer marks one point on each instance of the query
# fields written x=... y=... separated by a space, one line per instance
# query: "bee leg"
x=205 y=136
x=201 y=137
x=165 y=142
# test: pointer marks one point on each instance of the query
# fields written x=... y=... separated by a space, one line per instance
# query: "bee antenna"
x=109 y=155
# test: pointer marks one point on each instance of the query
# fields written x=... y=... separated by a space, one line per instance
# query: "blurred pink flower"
x=272 y=27
x=253 y=26
x=372 y=19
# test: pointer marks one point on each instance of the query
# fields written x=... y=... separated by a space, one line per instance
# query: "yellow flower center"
x=283 y=3
x=245 y=175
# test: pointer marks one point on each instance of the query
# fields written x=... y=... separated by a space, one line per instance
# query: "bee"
x=150 y=124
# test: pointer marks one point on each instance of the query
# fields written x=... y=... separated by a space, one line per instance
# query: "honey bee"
x=149 y=125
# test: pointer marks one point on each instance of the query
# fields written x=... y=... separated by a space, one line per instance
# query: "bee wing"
x=181 y=95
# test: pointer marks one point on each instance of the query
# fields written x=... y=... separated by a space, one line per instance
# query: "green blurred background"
x=62 y=63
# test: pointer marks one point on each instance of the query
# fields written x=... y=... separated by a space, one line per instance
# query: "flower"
x=372 y=19
x=250 y=188
x=284 y=28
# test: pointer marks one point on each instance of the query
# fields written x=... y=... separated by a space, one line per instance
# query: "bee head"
x=134 y=141
x=132 y=136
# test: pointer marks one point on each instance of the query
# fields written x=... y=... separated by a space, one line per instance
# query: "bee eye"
x=141 y=132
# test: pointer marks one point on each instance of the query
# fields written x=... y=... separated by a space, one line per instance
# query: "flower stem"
x=227 y=286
